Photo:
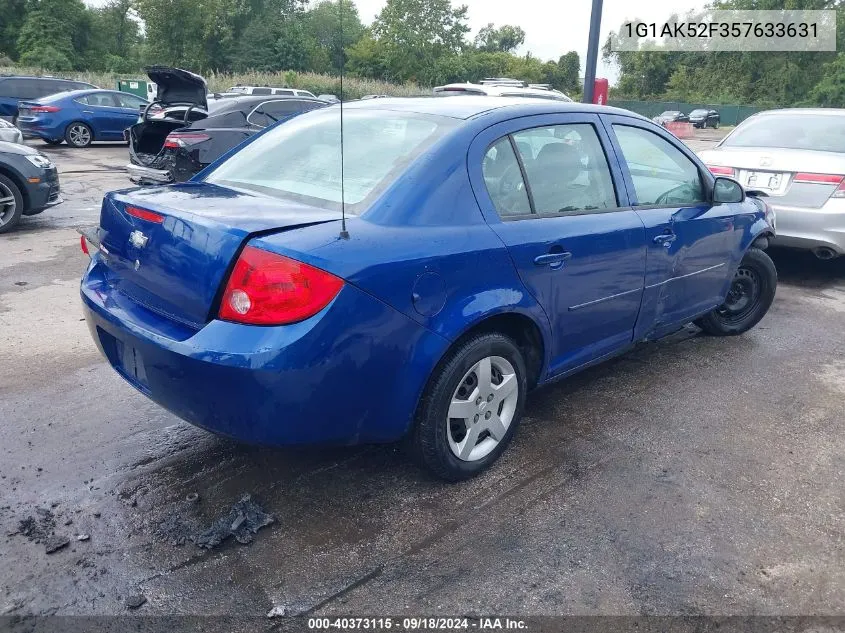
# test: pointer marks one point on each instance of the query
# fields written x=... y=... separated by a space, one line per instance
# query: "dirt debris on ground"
x=243 y=521
x=39 y=527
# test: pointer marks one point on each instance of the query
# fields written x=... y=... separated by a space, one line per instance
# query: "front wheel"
x=471 y=408
x=749 y=298
x=11 y=204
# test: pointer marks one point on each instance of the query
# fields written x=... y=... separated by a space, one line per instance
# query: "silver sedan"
x=797 y=158
x=10 y=133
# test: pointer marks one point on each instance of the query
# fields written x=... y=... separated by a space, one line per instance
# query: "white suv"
x=504 y=89
x=270 y=90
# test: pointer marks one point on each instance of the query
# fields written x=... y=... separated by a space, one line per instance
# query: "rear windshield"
x=300 y=159
x=819 y=132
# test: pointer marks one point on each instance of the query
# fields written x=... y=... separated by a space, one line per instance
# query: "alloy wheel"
x=8 y=205
x=482 y=408
x=79 y=135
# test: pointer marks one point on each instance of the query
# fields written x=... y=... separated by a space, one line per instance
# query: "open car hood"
x=175 y=85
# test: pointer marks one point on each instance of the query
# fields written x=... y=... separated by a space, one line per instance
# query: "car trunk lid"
x=170 y=248
x=174 y=85
x=790 y=177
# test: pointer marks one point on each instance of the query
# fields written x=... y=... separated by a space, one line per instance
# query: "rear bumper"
x=811 y=228
x=318 y=381
x=147 y=175
x=34 y=130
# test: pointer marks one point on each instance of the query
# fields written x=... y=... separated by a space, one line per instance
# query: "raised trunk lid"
x=176 y=267
x=175 y=85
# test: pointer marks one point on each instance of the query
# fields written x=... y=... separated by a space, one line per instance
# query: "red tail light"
x=818 y=179
x=143 y=214
x=175 y=140
x=84 y=245
x=718 y=170
x=269 y=289
x=44 y=109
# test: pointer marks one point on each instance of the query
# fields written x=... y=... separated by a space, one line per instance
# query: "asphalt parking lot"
x=691 y=476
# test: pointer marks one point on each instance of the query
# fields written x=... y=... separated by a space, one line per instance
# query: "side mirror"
x=727 y=190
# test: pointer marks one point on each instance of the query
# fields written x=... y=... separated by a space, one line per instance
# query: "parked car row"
x=700 y=118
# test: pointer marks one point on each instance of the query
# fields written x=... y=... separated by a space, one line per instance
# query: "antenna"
x=344 y=234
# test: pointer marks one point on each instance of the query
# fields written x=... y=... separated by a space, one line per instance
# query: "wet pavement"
x=694 y=475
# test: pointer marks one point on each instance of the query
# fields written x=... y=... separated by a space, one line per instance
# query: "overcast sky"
x=554 y=27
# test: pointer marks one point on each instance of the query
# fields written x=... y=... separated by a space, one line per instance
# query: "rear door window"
x=566 y=168
x=261 y=91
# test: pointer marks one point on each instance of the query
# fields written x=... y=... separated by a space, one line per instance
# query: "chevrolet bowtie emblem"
x=138 y=239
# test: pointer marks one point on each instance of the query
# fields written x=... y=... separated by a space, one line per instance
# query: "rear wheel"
x=11 y=204
x=78 y=135
x=471 y=408
x=749 y=298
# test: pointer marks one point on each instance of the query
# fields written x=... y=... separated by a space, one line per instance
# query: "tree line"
x=427 y=42
x=767 y=79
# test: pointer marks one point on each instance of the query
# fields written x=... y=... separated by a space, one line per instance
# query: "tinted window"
x=129 y=101
x=52 y=86
x=504 y=179
x=300 y=160
x=261 y=91
x=566 y=169
x=820 y=132
x=278 y=91
x=19 y=88
x=662 y=174
x=273 y=111
x=101 y=100
x=698 y=112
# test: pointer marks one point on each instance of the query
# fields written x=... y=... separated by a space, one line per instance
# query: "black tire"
x=79 y=141
x=54 y=141
x=10 y=218
x=715 y=125
x=428 y=440
x=749 y=299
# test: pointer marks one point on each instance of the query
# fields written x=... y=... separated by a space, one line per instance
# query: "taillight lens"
x=44 y=109
x=718 y=170
x=175 y=140
x=145 y=214
x=823 y=179
x=269 y=289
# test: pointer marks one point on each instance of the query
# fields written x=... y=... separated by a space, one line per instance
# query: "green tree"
x=12 y=15
x=55 y=34
x=569 y=73
x=504 y=39
x=323 y=25
x=830 y=91
x=417 y=35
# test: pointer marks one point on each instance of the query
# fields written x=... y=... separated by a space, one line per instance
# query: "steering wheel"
x=510 y=184
x=666 y=198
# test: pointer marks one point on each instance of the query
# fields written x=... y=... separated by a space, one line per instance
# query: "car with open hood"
x=231 y=120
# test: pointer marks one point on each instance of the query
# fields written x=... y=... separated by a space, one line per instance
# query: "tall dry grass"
x=354 y=87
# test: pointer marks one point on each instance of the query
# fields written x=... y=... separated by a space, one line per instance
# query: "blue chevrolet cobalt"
x=490 y=245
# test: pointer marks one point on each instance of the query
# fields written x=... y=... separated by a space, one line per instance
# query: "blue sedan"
x=490 y=246
x=79 y=117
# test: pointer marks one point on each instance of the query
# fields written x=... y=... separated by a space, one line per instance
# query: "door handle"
x=87 y=112
x=552 y=260
x=665 y=239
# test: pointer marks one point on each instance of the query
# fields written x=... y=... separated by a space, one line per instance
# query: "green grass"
x=354 y=87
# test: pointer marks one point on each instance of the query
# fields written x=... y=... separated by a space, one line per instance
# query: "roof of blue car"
x=466 y=107
x=77 y=93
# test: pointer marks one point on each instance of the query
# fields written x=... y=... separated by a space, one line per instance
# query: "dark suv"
x=14 y=89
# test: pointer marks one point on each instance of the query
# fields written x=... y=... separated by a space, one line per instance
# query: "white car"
x=271 y=90
x=499 y=90
x=10 y=133
x=796 y=157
